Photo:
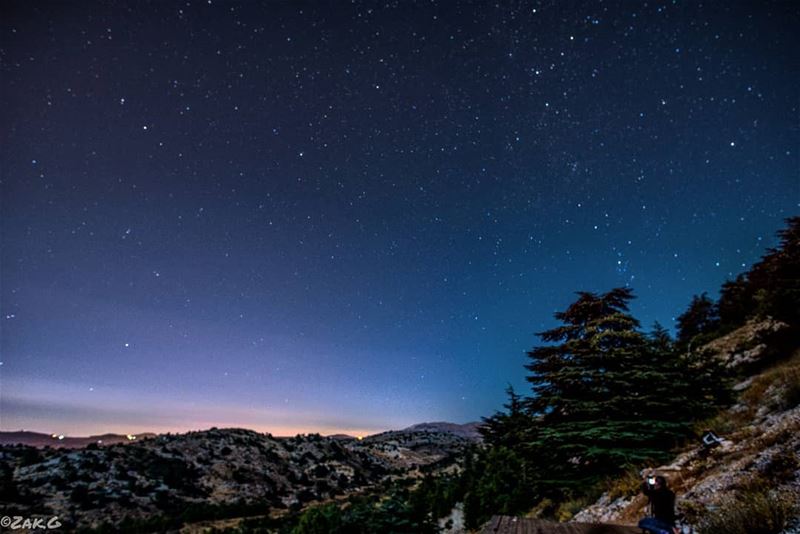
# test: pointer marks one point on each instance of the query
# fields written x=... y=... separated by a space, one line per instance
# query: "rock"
x=741 y=386
x=747 y=344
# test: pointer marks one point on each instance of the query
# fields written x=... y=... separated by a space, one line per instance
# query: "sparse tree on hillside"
x=701 y=317
x=507 y=428
x=736 y=302
x=775 y=280
x=771 y=288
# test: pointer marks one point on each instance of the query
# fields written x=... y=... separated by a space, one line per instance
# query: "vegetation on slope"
x=608 y=399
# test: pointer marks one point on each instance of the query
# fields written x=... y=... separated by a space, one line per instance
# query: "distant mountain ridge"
x=60 y=441
x=468 y=431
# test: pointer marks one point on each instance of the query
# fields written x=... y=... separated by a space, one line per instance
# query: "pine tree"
x=701 y=317
x=736 y=302
x=775 y=280
x=496 y=483
x=695 y=382
x=660 y=340
x=602 y=392
x=507 y=428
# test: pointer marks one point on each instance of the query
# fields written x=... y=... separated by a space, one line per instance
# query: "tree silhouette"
x=775 y=280
x=507 y=428
x=700 y=318
x=605 y=397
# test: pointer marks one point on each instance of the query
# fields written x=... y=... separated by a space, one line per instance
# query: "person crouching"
x=662 y=506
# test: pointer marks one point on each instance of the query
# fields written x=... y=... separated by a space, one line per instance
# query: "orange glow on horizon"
x=132 y=432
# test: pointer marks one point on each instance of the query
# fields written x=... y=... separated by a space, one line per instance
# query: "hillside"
x=39 y=439
x=756 y=468
x=420 y=445
x=213 y=473
x=468 y=431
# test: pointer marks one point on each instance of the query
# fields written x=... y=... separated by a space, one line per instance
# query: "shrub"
x=321 y=486
x=175 y=473
x=30 y=456
x=80 y=495
x=320 y=520
x=307 y=495
x=544 y=508
x=785 y=377
x=782 y=466
x=791 y=384
x=9 y=492
x=692 y=511
x=626 y=484
x=751 y=512
x=242 y=476
x=320 y=471
x=567 y=509
x=70 y=475
x=497 y=482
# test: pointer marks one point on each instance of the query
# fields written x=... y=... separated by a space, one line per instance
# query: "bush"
x=175 y=474
x=791 y=385
x=497 y=482
x=70 y=475
x=9 y=491
x=783 y=466
x=30 y=456
x=751 y=512
x=626 y=484
x=320 y=520
x=80 y=495
x=306 y=496
x=567 y=509
x=321 y=471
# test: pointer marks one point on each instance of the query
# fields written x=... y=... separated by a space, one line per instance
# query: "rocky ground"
x=760 y=448
x=225 y=471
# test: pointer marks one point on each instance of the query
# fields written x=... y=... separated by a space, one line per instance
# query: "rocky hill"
x=421 y=445
x=753 y=473
x=468 y=431
x=215 y=473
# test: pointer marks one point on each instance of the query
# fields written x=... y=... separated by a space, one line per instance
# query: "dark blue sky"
x=355 y=216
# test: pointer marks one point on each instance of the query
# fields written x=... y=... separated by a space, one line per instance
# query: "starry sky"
x=355 y=216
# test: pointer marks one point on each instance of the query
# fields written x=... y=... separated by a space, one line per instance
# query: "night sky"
x=355 y=216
